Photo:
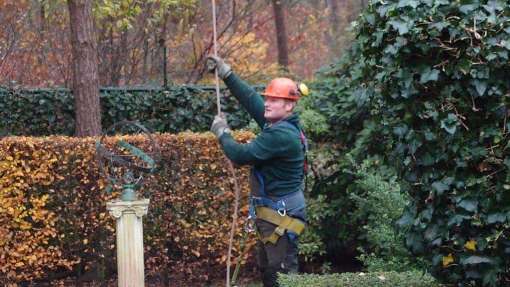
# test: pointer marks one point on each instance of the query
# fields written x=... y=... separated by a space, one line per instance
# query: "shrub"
x=54 y=220
x=429 y=81
x=379 y=204
x=311 y=244
x=174 y=109
x=373 y=279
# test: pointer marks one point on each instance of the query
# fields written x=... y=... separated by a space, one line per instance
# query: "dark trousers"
x=281 y=257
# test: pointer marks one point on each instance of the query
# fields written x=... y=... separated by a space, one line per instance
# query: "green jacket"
x=276 y=153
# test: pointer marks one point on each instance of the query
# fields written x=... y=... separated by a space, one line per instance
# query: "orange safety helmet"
x=284 y=88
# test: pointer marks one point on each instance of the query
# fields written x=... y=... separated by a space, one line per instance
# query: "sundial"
x=126 y=153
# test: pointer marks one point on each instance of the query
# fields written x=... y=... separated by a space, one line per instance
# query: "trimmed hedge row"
x=54 y=223
x=173 y=109
x=374 y=279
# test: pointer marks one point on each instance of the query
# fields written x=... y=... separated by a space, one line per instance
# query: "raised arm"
x=249 y=99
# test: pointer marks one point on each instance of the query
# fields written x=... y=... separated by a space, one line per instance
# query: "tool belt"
x=283 y=224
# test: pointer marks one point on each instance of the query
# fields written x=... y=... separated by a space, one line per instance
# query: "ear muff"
x=303 y=89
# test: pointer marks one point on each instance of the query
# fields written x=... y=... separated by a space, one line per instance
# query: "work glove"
x=217 y=63
x=219 y=126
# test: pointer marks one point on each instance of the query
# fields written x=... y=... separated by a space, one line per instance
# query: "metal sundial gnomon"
x=126 y=152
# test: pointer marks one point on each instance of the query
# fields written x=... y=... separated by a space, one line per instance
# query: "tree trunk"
x=334 y=28
x=85 y=70
x=145 y=69
x=281 y=34
x=119 y=57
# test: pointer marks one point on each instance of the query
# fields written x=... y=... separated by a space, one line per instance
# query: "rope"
x=216 y=54
x=229 y=163
x=234 y=223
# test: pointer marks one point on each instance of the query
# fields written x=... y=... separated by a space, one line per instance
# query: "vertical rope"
x=234 y=222
x=215 y=47
x=229 y=163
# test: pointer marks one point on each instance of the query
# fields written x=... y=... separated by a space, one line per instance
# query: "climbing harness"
x=284 y=223
x=276 y=209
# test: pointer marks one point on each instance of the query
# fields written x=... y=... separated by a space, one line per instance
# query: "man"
x=277 y=157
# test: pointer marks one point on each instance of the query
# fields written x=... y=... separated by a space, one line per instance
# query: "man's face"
x=276 y=109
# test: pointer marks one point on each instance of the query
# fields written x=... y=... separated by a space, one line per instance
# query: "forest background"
x=35 y=49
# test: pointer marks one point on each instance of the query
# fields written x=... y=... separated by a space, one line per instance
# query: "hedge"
x=54 y=223
x=374 y=279
x=44 y=112
x=429 y=81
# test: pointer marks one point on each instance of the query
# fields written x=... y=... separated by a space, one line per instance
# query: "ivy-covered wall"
x=425 y=90
x=173 y=109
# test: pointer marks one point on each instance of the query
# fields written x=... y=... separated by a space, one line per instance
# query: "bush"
x=379 y=204
x=54 y=223
x=429 y=82
x=374 y=279
x=174 y=109
x=352 y=210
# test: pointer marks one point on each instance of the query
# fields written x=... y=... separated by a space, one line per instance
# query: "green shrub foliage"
x=173 y=109
x=430 y=81
x=373 y=279
x=380 y=203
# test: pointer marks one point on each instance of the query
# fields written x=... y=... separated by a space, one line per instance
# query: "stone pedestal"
x=130 y=264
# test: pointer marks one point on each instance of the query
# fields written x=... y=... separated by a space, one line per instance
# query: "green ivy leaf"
x=493 y=6
x=408 y=3
x=431 y=232
x=506 y=44
x=429 y=75
x=400 y=130
x=415 y=242
x=468 y=204
x=440 y=187
x=401 y=26
x=481 y=86
x=406 y=220
x=496 y=217
x=475 y=260
x=468 y=8
x=457 y=220
x=450 y=124
x=370 y=18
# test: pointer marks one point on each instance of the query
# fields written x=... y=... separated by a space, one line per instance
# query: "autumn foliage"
x=36 y=50
x=54 y=223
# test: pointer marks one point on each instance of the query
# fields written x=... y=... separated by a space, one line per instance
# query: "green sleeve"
x=268 y=144
x=247 y=97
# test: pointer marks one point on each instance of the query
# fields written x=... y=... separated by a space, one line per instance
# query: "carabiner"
x=249 y=225
x=282 y=211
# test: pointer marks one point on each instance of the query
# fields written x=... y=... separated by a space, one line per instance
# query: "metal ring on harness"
x=281 y=206
x=250 y=224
